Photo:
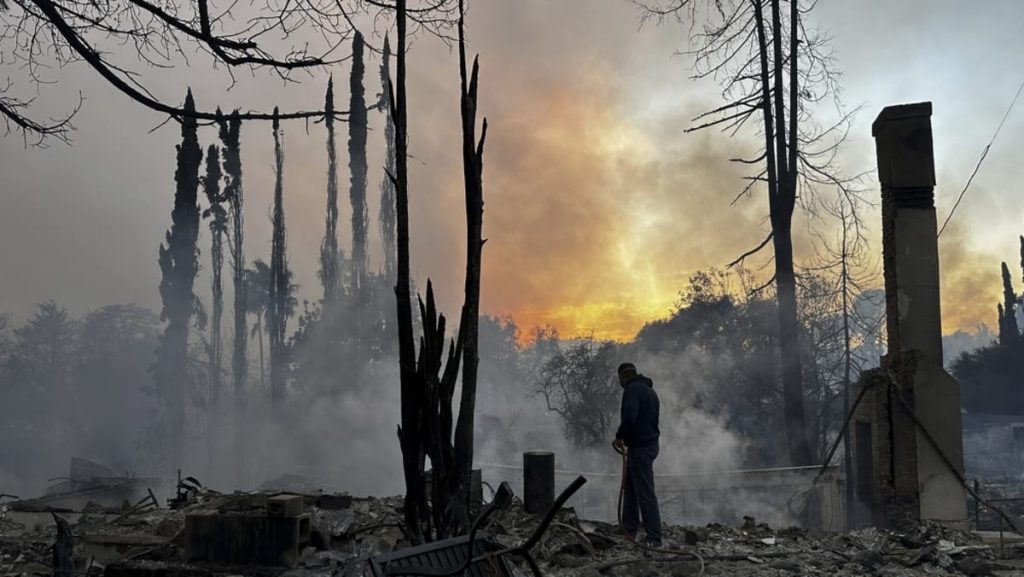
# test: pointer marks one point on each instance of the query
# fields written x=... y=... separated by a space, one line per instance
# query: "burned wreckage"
x=910 y=514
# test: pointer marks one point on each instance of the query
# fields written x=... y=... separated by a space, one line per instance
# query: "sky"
x=598 y=207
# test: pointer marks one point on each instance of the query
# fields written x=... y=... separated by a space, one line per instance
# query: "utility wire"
x=984 y=153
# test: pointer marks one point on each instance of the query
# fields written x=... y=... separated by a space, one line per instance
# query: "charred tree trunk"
x=412 y=399
x=439 y=391
x=386 y=216
x=449 y=445
x=179 y=265
x=847 y=373
x=280 y=279
x=472 y=168
x=781 y=160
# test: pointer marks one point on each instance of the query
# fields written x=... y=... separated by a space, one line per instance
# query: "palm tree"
x=257 y=301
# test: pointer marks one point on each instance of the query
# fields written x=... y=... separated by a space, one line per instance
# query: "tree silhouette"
x=990 y=376
x=329 y=248
x=1009 y=332
x=230 y=132
x=280 y=303
x=218 y=216
x=386 y=216
x=357 y=128
x=578 y=383
x=179 y=266
x=771 y=64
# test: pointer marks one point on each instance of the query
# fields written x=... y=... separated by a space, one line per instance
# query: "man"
x=638 y=434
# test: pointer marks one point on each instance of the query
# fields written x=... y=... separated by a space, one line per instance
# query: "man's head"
x=626 y=371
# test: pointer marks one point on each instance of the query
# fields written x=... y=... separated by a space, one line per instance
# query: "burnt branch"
x=752 y=251
x=39 y=37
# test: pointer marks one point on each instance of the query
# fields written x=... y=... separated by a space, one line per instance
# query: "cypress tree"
x=179 y=264
x=329 y=247
x=230 y=131
x=279 y=283
x=357 y=128
x=1008 y=330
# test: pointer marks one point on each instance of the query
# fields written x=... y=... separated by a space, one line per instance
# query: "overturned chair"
x=472 y=555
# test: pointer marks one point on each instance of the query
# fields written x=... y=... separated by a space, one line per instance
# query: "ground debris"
x=139 y=539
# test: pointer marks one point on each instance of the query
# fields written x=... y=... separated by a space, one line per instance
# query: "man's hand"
x=619 y=446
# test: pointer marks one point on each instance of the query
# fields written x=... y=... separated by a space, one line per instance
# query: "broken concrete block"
x=245 y=539
x=334 y=502
x=284 y=506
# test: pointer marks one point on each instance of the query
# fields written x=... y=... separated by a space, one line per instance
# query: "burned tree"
x=179 y=266
x=428 y=384
x=329 y=246
x=357 y=128
x=218 y=216
x=772 y=65
x=280 y=285
x=412 y=397
x=469 y=326
x=218 y=230
x=230 y=129
x=386 y=216
x=849 y=260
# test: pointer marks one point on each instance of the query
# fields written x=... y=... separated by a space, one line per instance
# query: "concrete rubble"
x=345 y=531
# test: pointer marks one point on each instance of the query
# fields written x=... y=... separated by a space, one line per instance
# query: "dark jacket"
x=639 y=424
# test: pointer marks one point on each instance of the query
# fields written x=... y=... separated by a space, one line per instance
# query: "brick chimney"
x=901 y=473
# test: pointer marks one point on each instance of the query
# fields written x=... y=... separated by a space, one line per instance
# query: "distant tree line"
x=715 y=353
x=992 y=377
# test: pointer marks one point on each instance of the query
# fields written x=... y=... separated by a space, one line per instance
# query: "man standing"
x=638 y=434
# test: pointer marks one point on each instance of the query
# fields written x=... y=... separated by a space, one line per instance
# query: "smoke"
x=971 y=285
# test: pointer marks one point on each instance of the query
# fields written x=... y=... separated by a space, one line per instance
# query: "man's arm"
x=630 y=412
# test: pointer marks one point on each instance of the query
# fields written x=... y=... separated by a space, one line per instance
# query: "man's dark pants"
x=640 y=501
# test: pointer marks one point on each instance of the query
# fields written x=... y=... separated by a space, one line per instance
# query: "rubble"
x=345 y=531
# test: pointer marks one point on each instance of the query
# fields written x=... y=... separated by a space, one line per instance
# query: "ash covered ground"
x=149 y=538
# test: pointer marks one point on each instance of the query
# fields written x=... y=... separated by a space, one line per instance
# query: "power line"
x=984 y=153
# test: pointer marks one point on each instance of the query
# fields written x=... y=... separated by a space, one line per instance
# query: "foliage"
x=75 y=387
x=579 y=384
x=990 y=377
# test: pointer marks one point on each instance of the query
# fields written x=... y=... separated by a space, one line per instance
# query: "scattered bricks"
x=284 y=506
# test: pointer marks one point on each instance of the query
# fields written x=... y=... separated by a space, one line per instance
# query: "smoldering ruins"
x=354 y=422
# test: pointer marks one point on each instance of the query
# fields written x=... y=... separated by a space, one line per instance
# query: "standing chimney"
x=923 y=403
x=909 y=445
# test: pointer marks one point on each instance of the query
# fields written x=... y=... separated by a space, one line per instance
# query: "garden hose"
x=666 y=550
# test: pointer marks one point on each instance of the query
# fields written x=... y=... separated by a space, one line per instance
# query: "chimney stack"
x=907 y=439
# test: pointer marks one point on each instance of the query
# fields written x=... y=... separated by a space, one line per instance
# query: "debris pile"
x=344 y=532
